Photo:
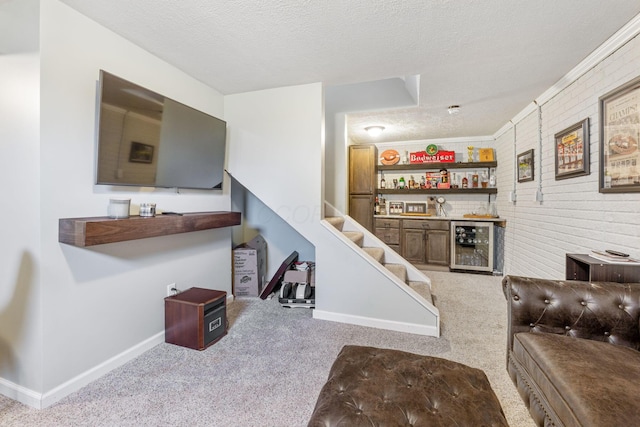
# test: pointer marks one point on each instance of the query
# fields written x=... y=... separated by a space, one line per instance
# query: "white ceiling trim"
x=615 y=42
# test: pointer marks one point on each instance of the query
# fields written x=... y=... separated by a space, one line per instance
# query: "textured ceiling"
x=491 y=57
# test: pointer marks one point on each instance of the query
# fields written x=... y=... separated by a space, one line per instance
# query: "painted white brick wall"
x=573 y=216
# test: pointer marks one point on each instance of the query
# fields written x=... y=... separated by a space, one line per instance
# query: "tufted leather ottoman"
x=379 y=387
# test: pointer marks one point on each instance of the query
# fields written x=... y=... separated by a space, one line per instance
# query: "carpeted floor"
x=270 y=367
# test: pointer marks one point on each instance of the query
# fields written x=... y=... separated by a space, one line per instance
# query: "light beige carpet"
x=270 y=367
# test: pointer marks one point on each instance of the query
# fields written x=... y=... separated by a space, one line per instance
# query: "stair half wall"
x=371 y=285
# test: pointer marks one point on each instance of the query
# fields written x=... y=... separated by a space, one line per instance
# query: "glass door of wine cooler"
x=472 y=246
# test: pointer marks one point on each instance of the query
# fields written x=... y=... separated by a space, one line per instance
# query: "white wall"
x=107 y=301
x=282 y=239
x=573 y=217
x=20 y=290
x=339 y=100
x=353 y=288
x=277 y=151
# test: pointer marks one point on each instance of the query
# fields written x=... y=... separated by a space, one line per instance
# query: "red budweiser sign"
x=439 y=157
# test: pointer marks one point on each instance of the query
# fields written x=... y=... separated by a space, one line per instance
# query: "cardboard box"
x=249 y=267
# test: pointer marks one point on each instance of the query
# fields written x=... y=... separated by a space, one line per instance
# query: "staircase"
x=377 y=250
x=353 y=286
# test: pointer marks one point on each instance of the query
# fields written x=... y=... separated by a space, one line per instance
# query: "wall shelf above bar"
x=436 y=166
x=84 y=232
x=433 y=191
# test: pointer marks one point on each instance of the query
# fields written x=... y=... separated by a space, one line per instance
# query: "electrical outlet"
x=538 y=196
x=171 y=289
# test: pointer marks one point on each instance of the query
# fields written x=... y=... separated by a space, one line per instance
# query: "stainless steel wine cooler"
x=472 y=246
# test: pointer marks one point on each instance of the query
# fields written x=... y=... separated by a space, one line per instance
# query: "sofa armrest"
x=602 y=311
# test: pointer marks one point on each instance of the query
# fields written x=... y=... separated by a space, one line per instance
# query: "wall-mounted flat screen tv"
x=148 y=140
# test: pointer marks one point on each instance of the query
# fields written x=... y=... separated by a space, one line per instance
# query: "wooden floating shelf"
x=438 y=191
x=84 y=232
x=434 y=166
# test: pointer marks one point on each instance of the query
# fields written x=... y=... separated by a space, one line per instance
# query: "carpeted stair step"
x=356 y=237
x=399 y=270
x=336 y=221
x=423 y=289
x=376 y=253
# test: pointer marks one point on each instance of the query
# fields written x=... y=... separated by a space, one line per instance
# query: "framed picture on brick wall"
x=572 y=151
x=525 y=166
x=619 y=137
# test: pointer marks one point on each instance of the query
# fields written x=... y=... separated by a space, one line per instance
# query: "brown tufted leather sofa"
x=370 y=386
x=573 y=350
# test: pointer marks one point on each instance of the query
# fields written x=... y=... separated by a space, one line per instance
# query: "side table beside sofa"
x=573 y=350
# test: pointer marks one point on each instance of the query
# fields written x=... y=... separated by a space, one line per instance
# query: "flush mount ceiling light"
x=374 y=130
x=453 y=109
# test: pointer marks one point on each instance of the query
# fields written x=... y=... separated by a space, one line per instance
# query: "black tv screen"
x=148 y=140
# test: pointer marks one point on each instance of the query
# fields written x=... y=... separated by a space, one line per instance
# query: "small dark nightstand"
x=588 y=268
x=195 y=318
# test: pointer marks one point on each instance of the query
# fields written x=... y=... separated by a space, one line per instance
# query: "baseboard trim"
x=21 y=394
x=43 y=400
x=411 y=328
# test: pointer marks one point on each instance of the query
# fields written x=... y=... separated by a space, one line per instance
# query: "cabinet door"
x=362 y=169
x=361 y=209
x=413 y=245
x=437 y=247
x=390 y=236
x=388 y=230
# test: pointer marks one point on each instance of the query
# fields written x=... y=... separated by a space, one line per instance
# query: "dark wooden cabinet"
x=419 y=241
x=426 y=241
x=414 y=240
x=438 y=242
x=388 y=230
x=414 y=248
x=362 y=169
x=362 y=183
x=361 y=209
x=588 y=268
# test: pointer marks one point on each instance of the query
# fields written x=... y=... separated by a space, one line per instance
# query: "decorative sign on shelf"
x=437 y=157
x=485 y=154
x=389 y=157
